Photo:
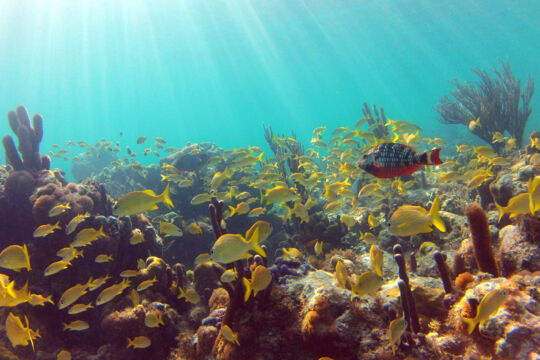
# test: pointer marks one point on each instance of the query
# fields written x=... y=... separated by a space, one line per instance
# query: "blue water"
x=212 y=70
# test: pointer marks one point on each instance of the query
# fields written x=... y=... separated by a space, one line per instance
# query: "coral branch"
x=443 y=271
x=481 y=239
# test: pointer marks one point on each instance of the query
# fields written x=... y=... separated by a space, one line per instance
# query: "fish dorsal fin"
x=148 y=192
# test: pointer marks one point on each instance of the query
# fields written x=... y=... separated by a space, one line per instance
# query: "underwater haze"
x=196 y=71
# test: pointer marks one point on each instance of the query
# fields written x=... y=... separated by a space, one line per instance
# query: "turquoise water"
x=197 y=70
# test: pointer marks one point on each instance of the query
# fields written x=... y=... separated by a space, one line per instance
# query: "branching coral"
x=494 y=100
x=377 y=122
x=481 y=239
x=29 y=139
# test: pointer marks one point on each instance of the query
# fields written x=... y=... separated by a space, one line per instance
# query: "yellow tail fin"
x=254 y=241
x=471 y=324
x=435 y=218
x=533 y=185
x=501 y=210
x=247 y=285
x=165 y=198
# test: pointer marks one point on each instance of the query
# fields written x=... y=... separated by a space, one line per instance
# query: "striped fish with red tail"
x=389 y=160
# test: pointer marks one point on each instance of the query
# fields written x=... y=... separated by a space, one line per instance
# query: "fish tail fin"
x=501 y=210
x=471 y=324
x=182 y=293
x=164 y=177
x=435 y=216
x=25 y=250
x=431 y=157
x=533 y=185
x=233 y=211
x=101 y=233
x=165 y=198
x=66 y=326
x=247 y=285
x=254 y=242
x=130 y=343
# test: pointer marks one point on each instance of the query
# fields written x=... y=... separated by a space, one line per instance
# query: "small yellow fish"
x=97 y=283
x=69 y=253
x=56 y=267
x=87 y=236
x=449 y=176
x=63 y=355
x=228 y=334
x=257 y=212
x=15 y=257
x=103 y=258
x=153 y=320
x=40 y=300
x=488 y=306
x=426 y=246
x=79 y=308
x=59 y=209
x=299 y=210
x=318 y=247
x=72 y=225
x=218 y=178
x=485 y=151
x=293 y=254
x=134 y=297
x=137 y=202
x=129 y=273
x=169 y=229
x=261 y=278
x=232 y=247
x=17 y=333
x=146 y=284
x=410 y=220
x=517 y=205
x=342 y=276
x=240 y=209
x=194 y=229
x=77 y=325
x=463 y=148
x=368 y=237
x=395 y=331
x=111 y=292
x=348 y=220
x=201 y=199
x=366 y=283
x=190 y=295
x=510 y=144
x=73 y=294
x=45 y=230
x=228 y=276
x=264 y=229
x=475 y=124
x=376 y=259
x=280 y=194
x=139 y=342
x=137 y=237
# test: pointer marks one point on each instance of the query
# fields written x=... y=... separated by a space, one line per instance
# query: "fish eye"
x=211 y=251
x=388 y=224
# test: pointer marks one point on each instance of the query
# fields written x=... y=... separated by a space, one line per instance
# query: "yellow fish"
x=73 y=223
x=463 y=148
x=59 y=209
x=299 y=210
x=228 y=276
x=510 y=144
x=87 y=236
x=129 y=273
x=69 y=253
x=376 y=259
x=139 y=342
x=194 y=229
x=372 y=221
x=368 y=237
x=218 y=178
x=146 y=284
x=111 y=292
x=341 y=274
x=15 y=257
x=517 y=205
x=475 y=124
x=348 y=220
x=257 y=212
x=18 y=334
x=79 y=308
x=410 y=220
x=201 y=199
x=202 y=258
x=534 y=194
x=153 y=320
x=77 y=325
x=485 y=151
x=190 y=295
x=264 y=229
x=103 y=258
x=56 y=267
x=137 y=202
x=489 y=305
x=292 y=254
x=45 y=230
x=366 y=283
x=73 y=294
x=280 y=194
x=97 y=283
x=232 y=247
x=134 y=297
x=40 y=300
x=395 y=331
x=228 y=334
x=169 y=229
x=240 y=209
x=318 y=247
x=261 y=277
